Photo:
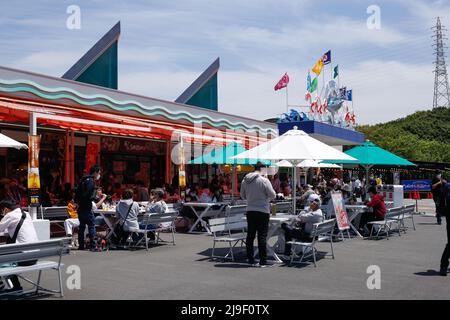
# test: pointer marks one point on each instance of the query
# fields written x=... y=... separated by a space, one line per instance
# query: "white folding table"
x=206 y=208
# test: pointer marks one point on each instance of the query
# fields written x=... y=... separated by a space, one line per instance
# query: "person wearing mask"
x=302 y=225
x=436 y=189
x=20 y=228
x=258 y=192
x=85 y=195
x=127 y=212
x=379 y=209
x=445 y=211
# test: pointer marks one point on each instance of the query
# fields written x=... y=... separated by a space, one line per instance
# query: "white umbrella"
x=307 y=164
x=294 y=146
x=7 y=142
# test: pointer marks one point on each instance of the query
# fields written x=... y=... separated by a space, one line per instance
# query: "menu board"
x=339 y=209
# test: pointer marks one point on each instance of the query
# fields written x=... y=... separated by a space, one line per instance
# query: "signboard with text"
x=339 y=210
x=416 y=185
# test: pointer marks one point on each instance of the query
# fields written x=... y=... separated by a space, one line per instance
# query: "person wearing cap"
x=302 y=225
x=308 y=192
x=258 y=192
x=379 y=209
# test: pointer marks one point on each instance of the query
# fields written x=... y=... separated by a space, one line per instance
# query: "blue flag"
x=327 y=57
x=308 y=82
x=348 y=95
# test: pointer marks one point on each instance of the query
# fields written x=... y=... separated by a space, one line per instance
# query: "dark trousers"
x=86 y=219
x=437 y=201
x=446 y=253
x=258 y=222
x=291 y=233
x=367 y=217
x=14 y=279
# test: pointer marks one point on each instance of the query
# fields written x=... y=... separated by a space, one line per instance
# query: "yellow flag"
x=318 y=66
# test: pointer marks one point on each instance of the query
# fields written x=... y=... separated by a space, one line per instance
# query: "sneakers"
x=265 y=265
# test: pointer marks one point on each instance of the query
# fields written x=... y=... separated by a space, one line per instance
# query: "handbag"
x=119 y=232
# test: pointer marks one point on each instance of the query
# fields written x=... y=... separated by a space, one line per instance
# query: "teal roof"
x=370 y=154
x=222 y=155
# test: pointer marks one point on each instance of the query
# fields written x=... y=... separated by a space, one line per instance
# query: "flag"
x=308 y=82
x=313 y=86
x=282 y=83
x=335 y=72
x=326 y=59
x=318 y=66
x=342 y=92
x=348 y=95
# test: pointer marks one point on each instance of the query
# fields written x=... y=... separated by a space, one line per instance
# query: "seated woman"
x=156 y=206
x=378 y=213
x=127 y=212
x=302 y=224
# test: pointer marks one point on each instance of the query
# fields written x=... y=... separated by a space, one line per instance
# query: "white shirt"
x=27 y=233
x=357 y=183
x=310 y=217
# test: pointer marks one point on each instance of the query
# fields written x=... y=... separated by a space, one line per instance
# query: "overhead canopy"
x=7 y=142
x=370 y=154
x=223 y=155
x=307 y=164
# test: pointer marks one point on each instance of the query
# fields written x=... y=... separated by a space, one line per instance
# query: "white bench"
x=321 y=231
x=408 y=213
x=235 y=210
x=393 y=215
x=163 y=221
x=229 y=229
x=13 y=253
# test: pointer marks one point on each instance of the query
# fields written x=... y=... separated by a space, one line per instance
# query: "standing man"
x=258 y=192
x=84 y=196
x=444 y=209
x=436 y=188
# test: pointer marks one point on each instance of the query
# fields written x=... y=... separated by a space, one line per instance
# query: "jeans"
x=258 y=222
x=86 y=219
x=446 y=253
x=293 y=233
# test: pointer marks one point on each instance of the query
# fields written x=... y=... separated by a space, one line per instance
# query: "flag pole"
x=287 y=104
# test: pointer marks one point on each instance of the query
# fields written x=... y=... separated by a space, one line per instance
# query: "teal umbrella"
x=223 y=155
x=369 y=154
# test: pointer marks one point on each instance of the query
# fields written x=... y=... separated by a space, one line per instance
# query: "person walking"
x=84 y=196
x=444 y=210
x=436 y=189
x=258 y=192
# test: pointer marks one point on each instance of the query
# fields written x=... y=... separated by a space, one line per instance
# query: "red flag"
x=282 y=83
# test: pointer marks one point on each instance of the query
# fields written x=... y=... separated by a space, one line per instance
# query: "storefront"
x=132 y=137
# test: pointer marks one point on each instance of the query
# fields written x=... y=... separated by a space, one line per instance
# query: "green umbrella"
x=222 y=155
x=369 y=154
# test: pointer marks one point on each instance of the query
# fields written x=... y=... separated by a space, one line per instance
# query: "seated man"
x=378 y=213
x=20 y=228
x=302 y=224
x=156 y=206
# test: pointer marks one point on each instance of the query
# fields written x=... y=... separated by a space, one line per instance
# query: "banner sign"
x=91 y=155
x=34 y=183
x=416 y=185
x=339 y=209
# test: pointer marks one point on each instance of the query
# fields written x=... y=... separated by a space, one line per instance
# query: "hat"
x=314 y=198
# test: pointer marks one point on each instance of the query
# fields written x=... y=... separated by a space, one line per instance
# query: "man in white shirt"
x=305 y=220
x=20 y=228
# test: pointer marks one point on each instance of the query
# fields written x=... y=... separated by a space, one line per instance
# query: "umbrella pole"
x=232 y=183
x=295 y=188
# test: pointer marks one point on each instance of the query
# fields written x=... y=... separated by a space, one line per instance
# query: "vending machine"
x=392 y=193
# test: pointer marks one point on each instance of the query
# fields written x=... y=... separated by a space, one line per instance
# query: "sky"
x=165 y=45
